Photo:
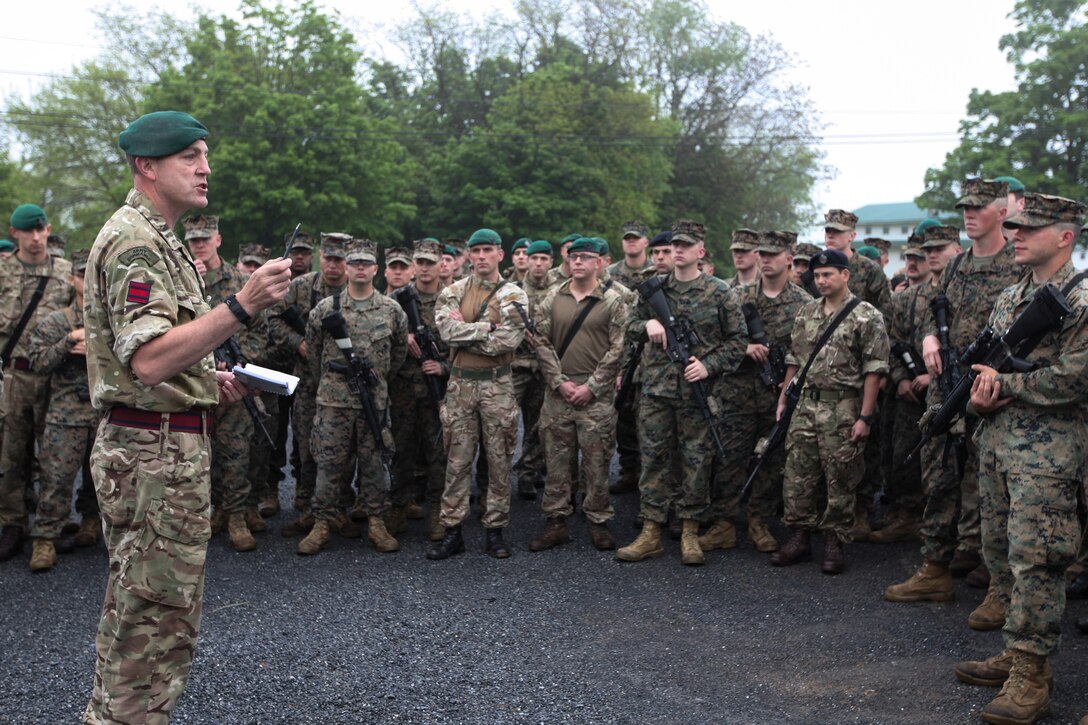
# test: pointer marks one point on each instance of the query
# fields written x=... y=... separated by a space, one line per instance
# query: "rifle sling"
x=20 y=326
x=843 y=314
x=574 y=328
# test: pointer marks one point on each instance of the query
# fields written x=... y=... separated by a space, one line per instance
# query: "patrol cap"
x=634 y=229
x=28 y=216
x=662 y=239
x=776 y=242
x=161 y=133
x=429 y=249
x=871 y=252
x=335 y=244
x=201 y=226
x=1042 y=210
x=302 y=241
x=257 y=253
x=522 y=243
x=361 y=250
x=686 y=231
x=914 y=249
x=926 y=224
x=829 y=258
x=6 y=245
x=939 y=236
x=1014 y=184
x=398 y=254
x=540 y=246
x=840 y=220
x=806 y=251
x=881 y=245
x=585 y=244
x=484 y=236
x=55 y=244
x=79 y=259
x=980 y=192
x=745 y=240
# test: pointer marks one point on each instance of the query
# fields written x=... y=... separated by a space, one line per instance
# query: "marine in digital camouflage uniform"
x=476 y=317
x=833 y=416
x=25 y=391
x=745 y=261
x=342 y=442
x=155 y=385
x=578 y=417
x=635 y=265
x=1031 y=463
x=669 y=417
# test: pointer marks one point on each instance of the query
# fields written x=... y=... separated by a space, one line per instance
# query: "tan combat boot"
x=380 y=537
x=690 y=552
x=862 y=529
x=241 y=539
x=1025 y=696
x=396 y=520
x=269 y=505
x=646 y=546
x=902 y=527
x=993 y=671
x=43 y=556
x=316 y=540
x=931 y=583
x=254 y=520
x=988 y=615
x=435 y=530
x=722 y=535
x=413 y=511
x=760 y=536
x=219 y=521
x=299 y=526
x=90 y=528
x=555 y=533
x=346 y=526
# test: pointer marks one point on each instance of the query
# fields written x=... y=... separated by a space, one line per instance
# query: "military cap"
x=776 y=242
x=1042 y=210
x=980 y=192
x=253 y=253
x=634 y=228
x=1014 y=184
x=161 y=133
x=28 y=216
x=79 y=259
x=55 y=244
x=428 y=249
x=484 y=236
x=398 y=254
x=840 y=220
x=686 y=231
x=302 y=241
x=201 y=226
x=522 y=243
x=914 y=249
x=871 y=252
x=585 y=244
x=450 y=250
x=335 y=244
x=806 y=251
x=458 y=245
x=745 y=239
x=881 y=245
x=662 y=239
x=939 y=236
x=829 y=258
x=540 y=246
x=926 y=224
x=571 y=237
x=6 y=245
x=361 y=250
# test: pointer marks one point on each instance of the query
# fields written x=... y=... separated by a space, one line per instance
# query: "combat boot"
x=1025 y=696
x=988 y=615
x=624 y=484
x=396 y=520
x=833 y=559
x=690 y=553
x=931 y=583
x=435 y=530
x=43 y=556
x=902 y=527
x=316 y=540
x=495 y=546
x=254 y=521
x=722 y=535
x=993 y=671
x=646 y=546
x=219 y=521
x=676 y=526
x=241 y=539
x=526 y=489
x=797 y=548
x=555 y=533
x=979 y=577
x=302 y=525
x=760 y=536
x=89 y=530
x=358 y=511
x=452 y=543
x=413 y=511
x=269 y=505
x=862 y=528
x=601 y=537
x=963 y=563
x=346 y=526
x=379 y=536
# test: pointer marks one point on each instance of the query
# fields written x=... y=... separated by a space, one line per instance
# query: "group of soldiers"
x=406 y=398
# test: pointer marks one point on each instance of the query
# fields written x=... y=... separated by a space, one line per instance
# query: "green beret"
x=6 y=245
x=161 y=133
x=926 y=224
x=541 y=246
x=585 y=244
x=28 y=216
x=449 y=249
x=570 y=238
x=871 y=252
x=484 y=236
x=522 y=243
x=1015 y=185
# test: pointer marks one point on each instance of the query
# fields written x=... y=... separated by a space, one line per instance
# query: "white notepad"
x=271 y=381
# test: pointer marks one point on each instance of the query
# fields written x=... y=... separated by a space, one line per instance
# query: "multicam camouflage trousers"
x=343 y=447
x=25 y=401
x=822 y=463
x=1030 y=535
x=231 y=441
x=154 y=494
x=475 y=410
x=668 y=427
x=950 y=519
x=568 y=430
x=65 y=449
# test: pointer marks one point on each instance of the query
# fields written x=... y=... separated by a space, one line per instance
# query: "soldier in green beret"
x=519 y=259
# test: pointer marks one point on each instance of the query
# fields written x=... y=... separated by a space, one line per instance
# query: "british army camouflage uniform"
x=531 y=468
x=70 y=419
x=971 y=284
x=25 y=390
x=342 y=443
x=818 y=447
x=592 y=358
x=150 y=464
x=480 y=406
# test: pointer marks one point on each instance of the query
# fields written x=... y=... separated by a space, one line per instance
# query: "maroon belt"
x=19 y=363
x=196 y=421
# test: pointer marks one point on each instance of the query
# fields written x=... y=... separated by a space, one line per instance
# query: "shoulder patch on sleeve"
x=139 y=292
x=138 y=254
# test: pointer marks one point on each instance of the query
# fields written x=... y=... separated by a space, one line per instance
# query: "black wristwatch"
x=237 y=310
x=866 y=419
x=493 y=327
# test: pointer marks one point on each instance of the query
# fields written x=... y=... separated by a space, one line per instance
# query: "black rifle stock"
x=766 y=446
x=230 y=354
x=428 y=348
x=773 y=371
x=627 y=378
x=911 y=359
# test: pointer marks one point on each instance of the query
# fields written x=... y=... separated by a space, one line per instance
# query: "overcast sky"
x=889 y=80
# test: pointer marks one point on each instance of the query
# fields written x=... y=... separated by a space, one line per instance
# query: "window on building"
x=904 y=230
x=887 y=230
x=868 y=230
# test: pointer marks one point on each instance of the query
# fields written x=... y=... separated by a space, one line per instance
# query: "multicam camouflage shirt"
x=253 y=340
x=868 y=281
x=908 y=317
x=18 y=282
x=1043 y=429
x=50 y=354
x=714 y=316
x=140 y=284
x=473 y=341
x=776 y=313
x=858 y=346
x=378 y=329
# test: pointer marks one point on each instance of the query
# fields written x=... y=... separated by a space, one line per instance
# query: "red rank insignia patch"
x=139 y=292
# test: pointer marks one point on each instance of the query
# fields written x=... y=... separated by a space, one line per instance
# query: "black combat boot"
x=495 y=546
x=452 y=543
x=11 y=542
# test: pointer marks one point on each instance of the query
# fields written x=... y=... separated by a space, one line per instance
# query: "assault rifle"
x=911 y=360
x=530 y=326
x=954 y=446
x=409 y=302
x=773 y=371
x=1005 y=354
x=291 y=315
x=679 y=337
x=230 y=354
x=361 y=380
x=634 y=352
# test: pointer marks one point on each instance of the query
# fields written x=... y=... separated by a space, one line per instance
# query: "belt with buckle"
x=480 y=373
x=194 y=421
x=830 y=396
